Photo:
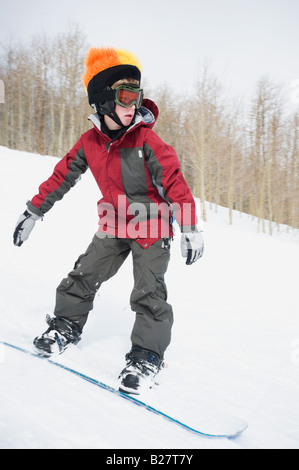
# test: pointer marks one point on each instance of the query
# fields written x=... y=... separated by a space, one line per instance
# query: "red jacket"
x=138 y=175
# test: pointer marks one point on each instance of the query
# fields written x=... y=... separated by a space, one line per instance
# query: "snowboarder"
x=143 y=188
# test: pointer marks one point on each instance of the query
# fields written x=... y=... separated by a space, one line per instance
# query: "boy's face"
x=125 y=115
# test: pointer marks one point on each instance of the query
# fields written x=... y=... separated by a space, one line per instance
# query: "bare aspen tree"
x=205 y=137
x=3 y=106
x=70 y=51
x=8 y=110
x=266 y=150
x=293 y=173
x=196 y=136
x=40 y=48
x=2 y=91
x=231 y=175
x=169 y=124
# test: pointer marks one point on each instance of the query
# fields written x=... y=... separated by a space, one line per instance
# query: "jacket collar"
x=143 y=116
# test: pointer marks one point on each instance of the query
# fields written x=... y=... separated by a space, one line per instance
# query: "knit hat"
x=104 y=67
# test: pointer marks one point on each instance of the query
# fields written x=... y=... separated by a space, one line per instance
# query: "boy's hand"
x=24 y=226
x=192 y=246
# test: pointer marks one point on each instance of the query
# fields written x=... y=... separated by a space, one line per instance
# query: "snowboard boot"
x=59 y=335
x=140 y=371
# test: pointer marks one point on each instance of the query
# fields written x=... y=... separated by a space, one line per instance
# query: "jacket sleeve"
x=65 y=175
x=164 y=167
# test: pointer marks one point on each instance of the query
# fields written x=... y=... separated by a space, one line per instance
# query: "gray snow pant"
x=102 y=259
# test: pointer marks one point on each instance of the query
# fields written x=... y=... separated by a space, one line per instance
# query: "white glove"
x=24 y=226
x=192 y=246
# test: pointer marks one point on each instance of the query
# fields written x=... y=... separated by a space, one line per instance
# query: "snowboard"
x=210 y=423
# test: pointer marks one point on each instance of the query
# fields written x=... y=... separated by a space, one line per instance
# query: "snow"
x=235 y=342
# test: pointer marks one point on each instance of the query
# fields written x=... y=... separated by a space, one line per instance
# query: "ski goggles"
x=126 y=96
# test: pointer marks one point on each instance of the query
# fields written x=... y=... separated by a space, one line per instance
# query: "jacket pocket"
x=133 y=171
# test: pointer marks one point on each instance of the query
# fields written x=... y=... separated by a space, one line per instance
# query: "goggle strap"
x=106 y=95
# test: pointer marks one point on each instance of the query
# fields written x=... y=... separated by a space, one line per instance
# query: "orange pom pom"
x=102 y=58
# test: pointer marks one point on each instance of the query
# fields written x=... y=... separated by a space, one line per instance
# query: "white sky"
x=243 y=39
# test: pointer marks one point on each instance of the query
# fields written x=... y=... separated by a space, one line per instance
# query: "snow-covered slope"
x=235 y=339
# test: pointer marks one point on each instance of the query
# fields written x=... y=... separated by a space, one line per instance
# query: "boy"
x=141 y=184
